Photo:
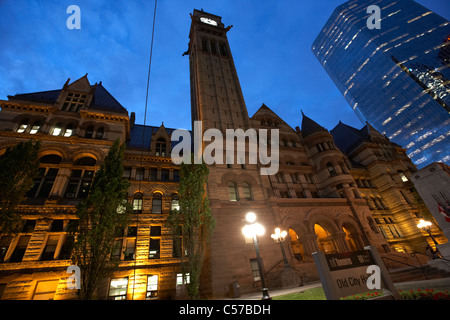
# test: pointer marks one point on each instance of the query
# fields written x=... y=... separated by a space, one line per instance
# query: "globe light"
x=423 y=224
x=250 y=217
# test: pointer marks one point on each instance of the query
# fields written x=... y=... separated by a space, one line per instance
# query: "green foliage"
x=196 y=221
x=100 y=215
x=18 y=167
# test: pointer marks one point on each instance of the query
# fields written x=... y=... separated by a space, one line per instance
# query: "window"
x=164 y=175
x=20 y=249
x=161 y=147
x=154 y=248
x=130 y=246
x=177 y=244
x=213 y=47
x=152 y=287
x=118 y=289
x=74 y=102
x=35 y=127
x=22 y=126
x=331 y=169
x=100 y=133
x=205 y=45
x=176 y=176
x=43 y=183
x=89 y=132
x=137 y=203
x=255 y=269
x=69 y=130
x=183 y=280
x=153 y=176
x=79 y=183
x=402 y=176
x=247 y=190
x=175 y=202
x=139 y=174
x=157 y=203
x=57 y=129
x=223 y=49
x=232 y=191
x=50 y=248
x=127 y=172
x=45 y=290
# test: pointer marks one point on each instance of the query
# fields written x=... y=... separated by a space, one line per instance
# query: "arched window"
x=161 y=147
x=137 y=203
x=57 y=129
x=157 y=203
x=100 y=133
x=89 y=132
x=69 y=130
x=22 y=126
x=48 y=171
x=331 y=169
x=85 y=161
x=232 y=191
x=247 y=191
x=35 y=127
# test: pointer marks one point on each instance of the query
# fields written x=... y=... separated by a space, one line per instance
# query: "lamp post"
x=280 y=237
x=254 y=229
x=426 y=226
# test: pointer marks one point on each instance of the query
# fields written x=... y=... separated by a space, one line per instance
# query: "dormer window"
x=160 y=147
x=74 y=102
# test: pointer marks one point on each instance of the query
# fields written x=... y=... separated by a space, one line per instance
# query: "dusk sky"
x=270 y=42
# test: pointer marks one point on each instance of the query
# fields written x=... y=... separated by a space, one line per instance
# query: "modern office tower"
x=395 y=77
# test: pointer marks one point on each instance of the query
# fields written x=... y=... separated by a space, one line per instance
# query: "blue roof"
x=102 y=99
x=141 y=136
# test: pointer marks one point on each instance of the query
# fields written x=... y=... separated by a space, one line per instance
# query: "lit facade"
x=395 y=77
x=317 y=196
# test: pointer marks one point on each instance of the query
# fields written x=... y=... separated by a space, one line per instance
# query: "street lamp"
x=253 y=230
x=280 y=237
x=426 y=226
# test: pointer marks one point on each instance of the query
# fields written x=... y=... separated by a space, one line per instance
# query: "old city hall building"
x=335 y=191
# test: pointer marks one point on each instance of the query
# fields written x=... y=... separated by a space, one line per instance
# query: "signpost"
x=349 y=273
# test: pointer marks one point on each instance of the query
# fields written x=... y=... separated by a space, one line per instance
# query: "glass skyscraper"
x=395 y=77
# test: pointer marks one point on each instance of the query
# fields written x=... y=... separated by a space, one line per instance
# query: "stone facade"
x=334 y=190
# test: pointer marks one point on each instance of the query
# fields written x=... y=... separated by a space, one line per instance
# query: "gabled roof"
x=102 y=99
x=141 y=136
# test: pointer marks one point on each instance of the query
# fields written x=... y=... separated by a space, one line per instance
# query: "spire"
x=309 y=126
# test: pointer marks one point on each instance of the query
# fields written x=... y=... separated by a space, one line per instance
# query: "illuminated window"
x=175 y=202
x=56 y=130
x=152 y=287
x=137 y=203
x=118 y=289
x=35 y=127
x=155 y=242
x=45 y=290
x=183 y=280
x=402 y=175
x=22 y=126
x=69 y=131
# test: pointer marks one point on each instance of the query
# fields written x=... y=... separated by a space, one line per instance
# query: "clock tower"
x=235 y=188
x=216 y=95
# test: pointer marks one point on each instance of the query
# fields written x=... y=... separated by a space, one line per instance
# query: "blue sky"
x=270 y=42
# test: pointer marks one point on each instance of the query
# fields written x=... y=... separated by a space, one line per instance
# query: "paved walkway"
x=277 y=292
x=443 y=284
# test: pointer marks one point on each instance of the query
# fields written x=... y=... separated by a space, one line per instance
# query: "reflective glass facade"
x=395 y=77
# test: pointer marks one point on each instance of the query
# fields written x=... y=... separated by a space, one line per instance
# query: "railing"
x=414 y=254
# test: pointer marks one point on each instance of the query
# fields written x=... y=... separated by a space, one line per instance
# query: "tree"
x=18 y=167
x=197 y=224
x=99 y=216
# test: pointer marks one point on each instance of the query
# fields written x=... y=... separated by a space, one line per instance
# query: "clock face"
x=208 y=21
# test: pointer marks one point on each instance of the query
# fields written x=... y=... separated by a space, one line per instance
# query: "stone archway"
x=325 y=241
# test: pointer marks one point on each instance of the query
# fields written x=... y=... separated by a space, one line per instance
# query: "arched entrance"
x=297 y=248
x=324 y=240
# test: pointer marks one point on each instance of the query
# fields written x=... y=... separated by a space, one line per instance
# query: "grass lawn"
x=308 y=294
